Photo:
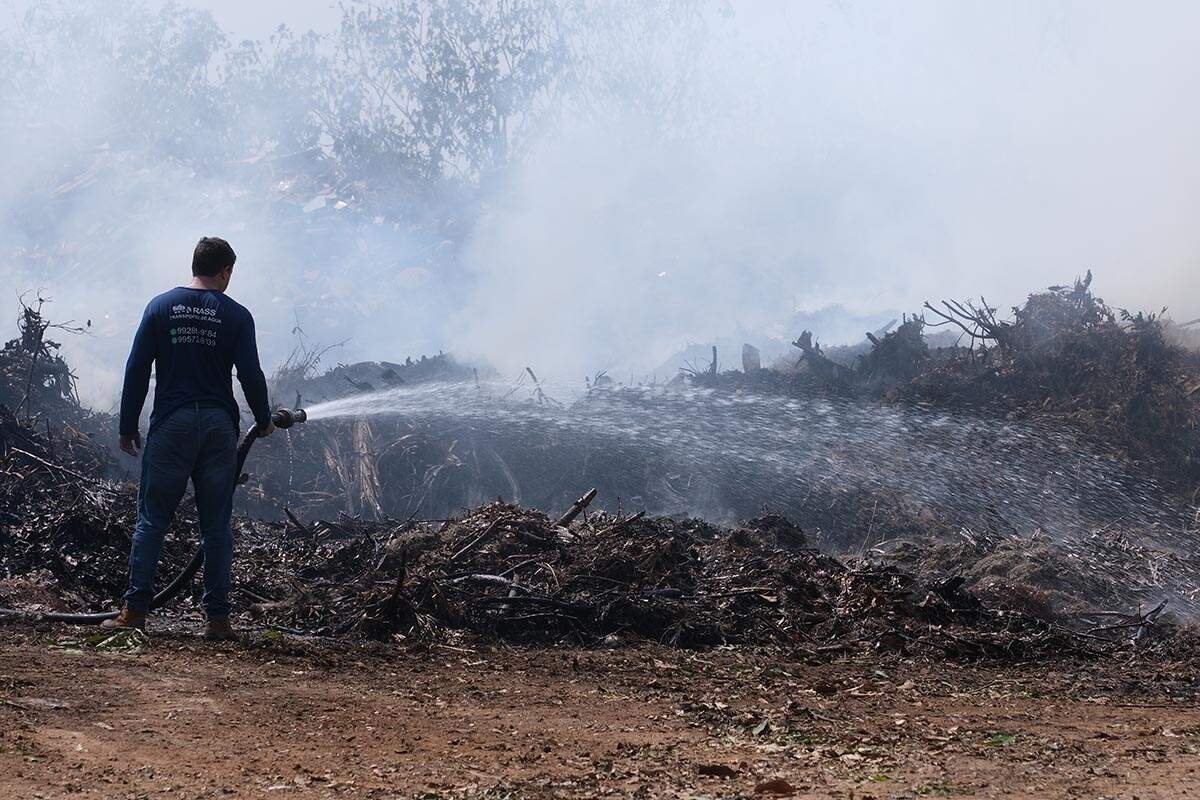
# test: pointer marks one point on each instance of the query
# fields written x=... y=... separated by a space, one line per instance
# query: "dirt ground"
x=276 y=717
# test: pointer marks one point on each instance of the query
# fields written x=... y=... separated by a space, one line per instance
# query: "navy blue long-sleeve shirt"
x=195 y=337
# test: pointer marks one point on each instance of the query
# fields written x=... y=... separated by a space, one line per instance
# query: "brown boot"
x=126 y=619
x=218 y=629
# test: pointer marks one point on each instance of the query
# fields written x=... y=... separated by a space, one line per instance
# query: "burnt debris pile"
x=1130 y=378
x=515 y=574
x=912 y=525
x=65 y=531
x=1067 y=418
x=506 y=572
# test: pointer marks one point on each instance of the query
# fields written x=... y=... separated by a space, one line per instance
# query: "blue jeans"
x=199 y=443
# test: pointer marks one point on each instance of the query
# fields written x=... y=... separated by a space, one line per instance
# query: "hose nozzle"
x=285 y=418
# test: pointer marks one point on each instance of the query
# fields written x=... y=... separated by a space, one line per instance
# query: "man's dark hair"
x=212 y=255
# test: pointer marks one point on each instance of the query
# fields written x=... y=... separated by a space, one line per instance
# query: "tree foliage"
x=444 y=89
x=409 y=92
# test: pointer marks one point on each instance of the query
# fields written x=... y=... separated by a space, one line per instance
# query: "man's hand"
x=267 y=431
x=131 y=444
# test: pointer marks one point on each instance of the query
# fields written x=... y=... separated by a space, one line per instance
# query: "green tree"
x=443 y=89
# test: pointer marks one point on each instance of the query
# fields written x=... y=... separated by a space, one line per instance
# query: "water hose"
x=283 y=419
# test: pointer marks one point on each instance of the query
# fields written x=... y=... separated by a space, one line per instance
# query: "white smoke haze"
x=714 y=166
x=867 y=155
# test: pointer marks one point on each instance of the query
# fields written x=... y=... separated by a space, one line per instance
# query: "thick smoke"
x=700 y=171
x=871 y=155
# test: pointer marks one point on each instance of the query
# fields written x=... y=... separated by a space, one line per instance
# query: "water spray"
x=785 y=452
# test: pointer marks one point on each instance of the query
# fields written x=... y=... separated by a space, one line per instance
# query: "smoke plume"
x=671 y=173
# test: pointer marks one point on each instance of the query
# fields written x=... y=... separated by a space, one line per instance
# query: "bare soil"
x=276 y=717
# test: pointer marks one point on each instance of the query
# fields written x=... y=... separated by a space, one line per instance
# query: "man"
x=194 y=335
